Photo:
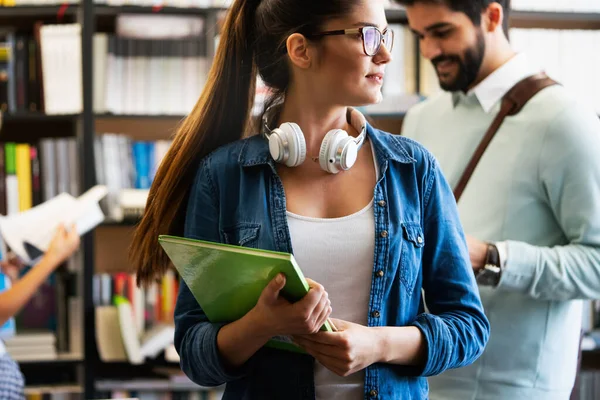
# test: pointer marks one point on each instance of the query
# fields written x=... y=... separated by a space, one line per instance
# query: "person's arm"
x=354 y=347
x=61 y=248
x=455 y=331
x=212 y=354
x=569 y=169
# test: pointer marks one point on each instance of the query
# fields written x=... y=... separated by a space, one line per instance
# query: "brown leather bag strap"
x=512 y=103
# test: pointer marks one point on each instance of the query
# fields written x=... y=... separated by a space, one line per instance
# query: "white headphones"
x=338 y=149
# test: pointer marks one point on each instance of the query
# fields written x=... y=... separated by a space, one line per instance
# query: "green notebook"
x=227 y=280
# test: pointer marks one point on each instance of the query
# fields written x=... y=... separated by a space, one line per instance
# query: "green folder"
x=227 y=280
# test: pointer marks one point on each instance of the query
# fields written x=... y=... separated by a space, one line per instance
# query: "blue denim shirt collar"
x=256 y=152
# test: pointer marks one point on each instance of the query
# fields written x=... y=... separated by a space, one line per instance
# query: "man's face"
x=450 y=41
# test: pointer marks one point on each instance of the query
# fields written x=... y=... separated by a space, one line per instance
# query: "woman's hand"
x=11 y=267
x=63 y=244
x=353 y=348
x=276 y=316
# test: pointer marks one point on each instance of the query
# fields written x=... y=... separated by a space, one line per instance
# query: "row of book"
x=39 y=346
x=589 y=385
x=151 y=306
x=155 y=64
x=20 y=72
x=568 y=56
x=134 y=324
x=44 y=394
x=147 y=3
x=549 y=5
x=149 y=76
x=123 y=163
x=33 y=173
x=41 y=72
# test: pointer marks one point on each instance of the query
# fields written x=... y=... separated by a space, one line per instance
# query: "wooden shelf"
x=64 y=358
x=30 y=127
x=38 y=11
x=54 y=389
x=127 y=223
x=531 y=19
x=22 y=18
x=146 y=385
x=140 y=116
x=104 y=10
x=555 y=20
x=37 y=117
x=139 y=127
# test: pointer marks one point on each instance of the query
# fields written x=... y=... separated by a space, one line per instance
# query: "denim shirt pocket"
x=412 y=253
x=242 y=234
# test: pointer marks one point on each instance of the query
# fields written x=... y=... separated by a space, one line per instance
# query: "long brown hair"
x=253 y=38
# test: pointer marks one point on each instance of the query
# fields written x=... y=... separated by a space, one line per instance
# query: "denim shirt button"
x=381 y=203
x=380 y=274
x=375 y=314
x=420 y=239
x=384 y=234
x=373 y=393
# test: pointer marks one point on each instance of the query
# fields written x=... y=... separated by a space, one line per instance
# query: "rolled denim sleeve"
x=195 y=336
x=456 y=329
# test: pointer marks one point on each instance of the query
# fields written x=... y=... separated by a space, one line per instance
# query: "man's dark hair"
x=472 y=8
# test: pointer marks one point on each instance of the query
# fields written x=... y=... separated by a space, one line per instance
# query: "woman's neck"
x=314 y=119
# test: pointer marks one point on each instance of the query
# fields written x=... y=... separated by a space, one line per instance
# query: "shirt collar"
x=255 y=150
x=490 y=91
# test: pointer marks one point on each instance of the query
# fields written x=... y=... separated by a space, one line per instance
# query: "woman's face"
x=344 y=74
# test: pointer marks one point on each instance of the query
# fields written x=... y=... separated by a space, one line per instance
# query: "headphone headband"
x=338 y=150
x=353 y=116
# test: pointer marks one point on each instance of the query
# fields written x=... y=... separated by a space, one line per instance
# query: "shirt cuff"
x=502 y=253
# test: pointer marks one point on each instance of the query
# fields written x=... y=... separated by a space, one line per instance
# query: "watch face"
x=488 y=276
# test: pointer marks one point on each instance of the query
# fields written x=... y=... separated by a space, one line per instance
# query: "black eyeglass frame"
x=360 y=31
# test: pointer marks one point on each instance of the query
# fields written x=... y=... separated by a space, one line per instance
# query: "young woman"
x=368 y=215
x=63 y=245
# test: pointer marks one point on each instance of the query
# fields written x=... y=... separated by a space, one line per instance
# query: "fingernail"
x=279 y=278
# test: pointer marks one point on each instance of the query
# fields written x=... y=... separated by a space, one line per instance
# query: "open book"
x=227 y=281
x=29 y=233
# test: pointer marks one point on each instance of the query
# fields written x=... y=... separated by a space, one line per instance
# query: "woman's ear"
x=300 y=52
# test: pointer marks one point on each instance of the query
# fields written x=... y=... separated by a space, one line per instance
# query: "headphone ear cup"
x=277 y=146
x=327 y=154
x=296 y=144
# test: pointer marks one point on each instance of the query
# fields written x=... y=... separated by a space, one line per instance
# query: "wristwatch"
x=491 y=272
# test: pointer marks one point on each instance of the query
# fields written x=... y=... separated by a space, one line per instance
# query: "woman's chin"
x=366 y=99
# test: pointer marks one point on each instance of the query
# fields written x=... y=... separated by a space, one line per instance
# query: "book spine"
x=36 y=190
x=23 y=157
x=12 y=184
x=33 y=85
x=21 y=73
x=2 y=181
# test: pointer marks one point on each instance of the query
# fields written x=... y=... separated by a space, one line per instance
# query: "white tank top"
x=338 y=253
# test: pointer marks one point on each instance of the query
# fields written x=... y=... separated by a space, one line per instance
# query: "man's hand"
x=477 y=252
x=353 y=348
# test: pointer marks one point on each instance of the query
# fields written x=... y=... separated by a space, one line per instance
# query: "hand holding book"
x=278 y=317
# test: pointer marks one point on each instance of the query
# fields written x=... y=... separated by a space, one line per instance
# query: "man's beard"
x=468 y=66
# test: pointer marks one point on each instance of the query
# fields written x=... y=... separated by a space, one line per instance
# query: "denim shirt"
x=420 y=250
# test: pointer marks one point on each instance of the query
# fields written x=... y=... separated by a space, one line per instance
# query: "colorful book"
x=12 y=183
x=227 y=280
x=8 y=329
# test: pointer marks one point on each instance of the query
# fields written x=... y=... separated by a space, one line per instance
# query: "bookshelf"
x=105 y=248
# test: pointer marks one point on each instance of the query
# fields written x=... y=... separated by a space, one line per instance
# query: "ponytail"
x=220 y=116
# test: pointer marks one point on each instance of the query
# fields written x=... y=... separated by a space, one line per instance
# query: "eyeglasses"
x=371 y=37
